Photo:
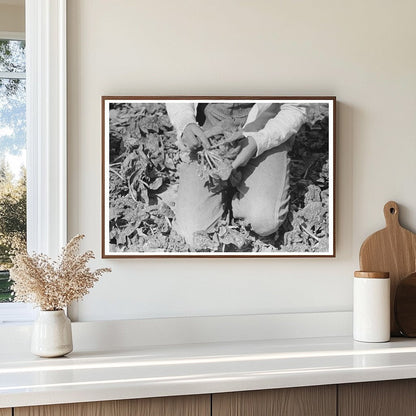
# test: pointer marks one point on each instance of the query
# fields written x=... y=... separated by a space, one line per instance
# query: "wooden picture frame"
x=205 y=176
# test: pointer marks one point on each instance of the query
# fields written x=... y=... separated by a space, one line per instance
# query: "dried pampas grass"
x=53 y=285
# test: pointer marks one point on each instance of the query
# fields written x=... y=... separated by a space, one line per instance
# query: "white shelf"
x=150 y=371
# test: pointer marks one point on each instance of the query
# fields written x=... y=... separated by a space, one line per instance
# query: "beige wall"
x=12 y=18
x=361 y=51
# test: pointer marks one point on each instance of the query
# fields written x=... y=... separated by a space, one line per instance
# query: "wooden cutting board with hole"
x=392 y=250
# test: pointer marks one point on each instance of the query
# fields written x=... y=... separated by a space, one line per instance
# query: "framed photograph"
x=218 y=176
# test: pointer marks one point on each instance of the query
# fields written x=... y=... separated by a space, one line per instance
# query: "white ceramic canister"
x=371 y=307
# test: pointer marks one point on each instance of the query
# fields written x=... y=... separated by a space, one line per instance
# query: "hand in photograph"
x=193 y=137
x=247 y=152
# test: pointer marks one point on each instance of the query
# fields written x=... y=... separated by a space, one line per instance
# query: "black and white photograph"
x=218 y=176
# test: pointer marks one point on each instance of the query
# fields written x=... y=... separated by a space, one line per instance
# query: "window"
x=46 y=133
x=12 y=165
x=45 y=51
x=12 y=155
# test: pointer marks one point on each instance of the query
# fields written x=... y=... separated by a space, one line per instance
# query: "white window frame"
x=46 y=135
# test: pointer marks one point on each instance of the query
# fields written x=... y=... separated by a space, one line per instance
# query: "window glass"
x=12 y=157
x=12 y=56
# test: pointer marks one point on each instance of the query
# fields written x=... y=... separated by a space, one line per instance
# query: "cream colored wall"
x=12 y=18
x=361 y=51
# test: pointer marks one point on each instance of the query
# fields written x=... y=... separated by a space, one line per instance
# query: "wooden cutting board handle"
x=391 y=214
x=393 y=250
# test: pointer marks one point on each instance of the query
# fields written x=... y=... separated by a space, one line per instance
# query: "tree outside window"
x=12 y=156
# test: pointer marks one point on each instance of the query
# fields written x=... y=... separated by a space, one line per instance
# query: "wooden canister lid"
x=372 y=275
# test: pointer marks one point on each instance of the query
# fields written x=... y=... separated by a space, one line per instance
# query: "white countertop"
x=150 y=371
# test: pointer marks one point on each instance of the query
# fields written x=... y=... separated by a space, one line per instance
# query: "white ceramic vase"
x=52 y=334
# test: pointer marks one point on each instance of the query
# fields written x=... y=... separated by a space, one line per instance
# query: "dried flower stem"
x=53 y=285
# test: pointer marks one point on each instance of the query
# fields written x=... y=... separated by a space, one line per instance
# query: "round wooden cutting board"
x=405 y=306
x=392 y=250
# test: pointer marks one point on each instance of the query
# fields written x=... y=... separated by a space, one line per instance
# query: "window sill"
x=16 y=313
